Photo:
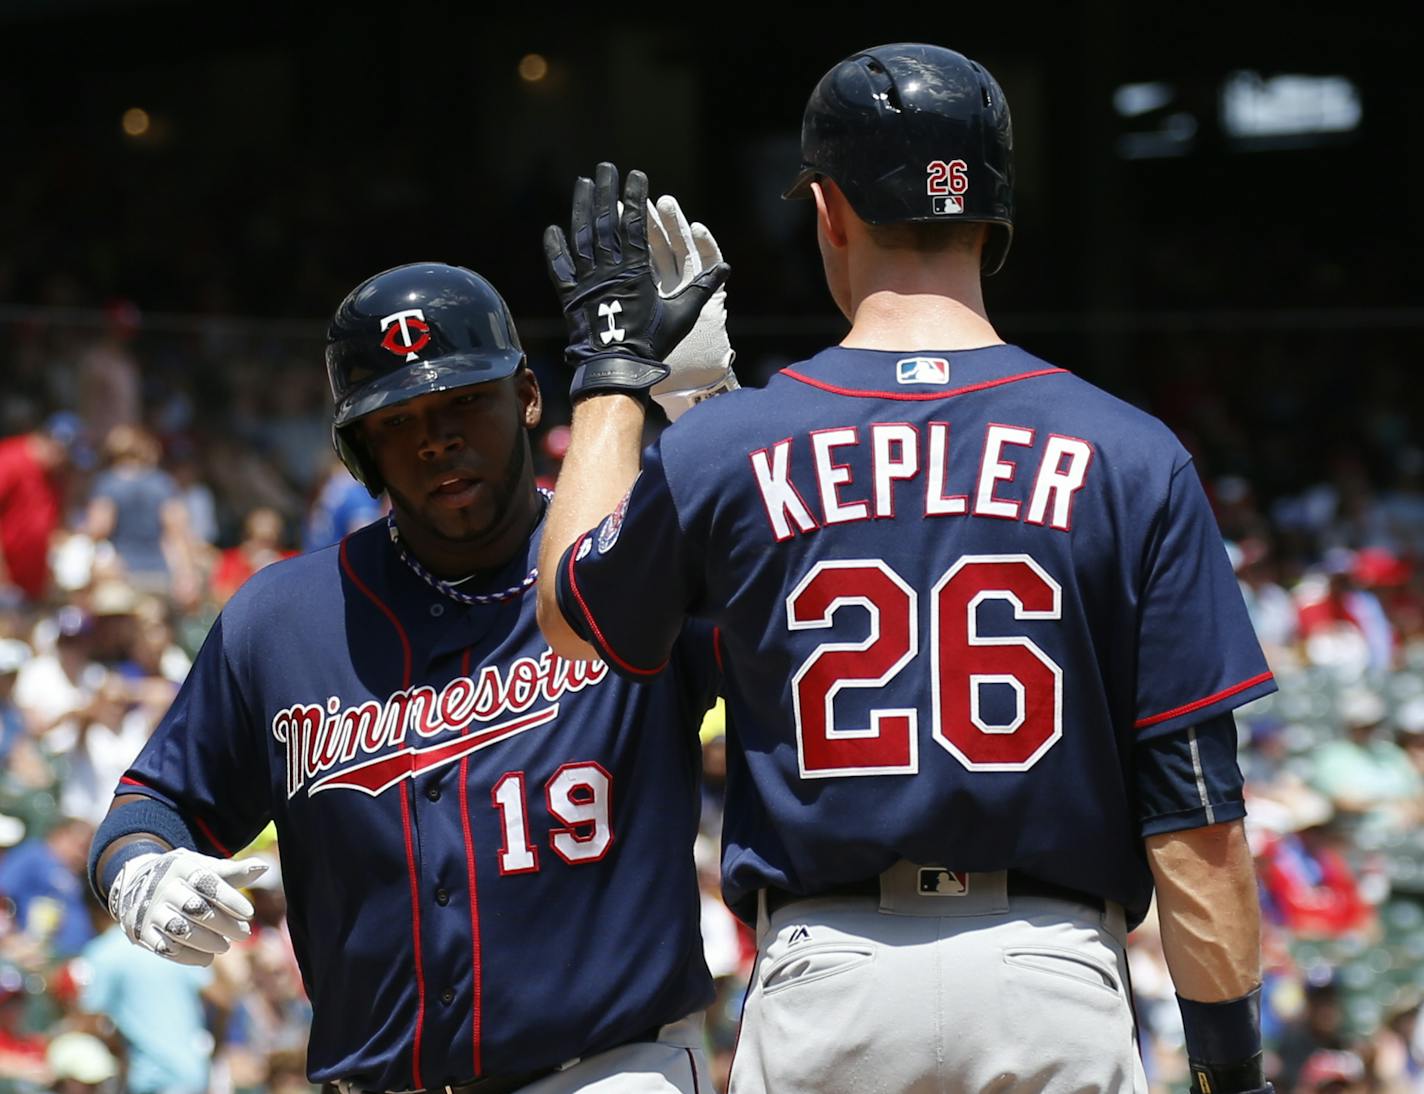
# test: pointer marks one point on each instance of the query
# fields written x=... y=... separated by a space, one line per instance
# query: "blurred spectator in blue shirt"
x=13 y=654
x=136 y=506
x=43 y=878
x=341 y=506
x=157 y=1008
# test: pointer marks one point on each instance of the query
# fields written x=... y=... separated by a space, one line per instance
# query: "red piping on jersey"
x=717 y=648
x=406 y=791
x=476 y=971
x=350 y=572
x=415 y=928
x=916 y=396
x=1233 y=690
x=211 y=838
x=129 y=780
x=604 y=647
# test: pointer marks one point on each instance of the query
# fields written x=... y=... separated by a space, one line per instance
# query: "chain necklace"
x=448 y=587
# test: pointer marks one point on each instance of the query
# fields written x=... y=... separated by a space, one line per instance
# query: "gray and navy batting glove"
x=620 y=328
x=182 y=905
x=700 y=366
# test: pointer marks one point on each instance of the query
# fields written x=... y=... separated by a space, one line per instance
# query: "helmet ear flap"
x=361 y=466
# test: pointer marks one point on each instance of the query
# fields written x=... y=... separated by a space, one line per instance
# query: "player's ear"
x=831 y=210
x=531 y=399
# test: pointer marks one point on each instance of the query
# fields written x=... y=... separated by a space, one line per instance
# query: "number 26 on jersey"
x=962 y=663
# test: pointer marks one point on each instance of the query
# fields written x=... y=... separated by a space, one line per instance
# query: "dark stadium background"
x=295 y=149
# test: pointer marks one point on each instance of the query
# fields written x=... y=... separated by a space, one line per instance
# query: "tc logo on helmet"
x=408 y=336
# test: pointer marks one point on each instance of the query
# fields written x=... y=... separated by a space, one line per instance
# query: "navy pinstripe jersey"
x=487 y=849
x=953 y=589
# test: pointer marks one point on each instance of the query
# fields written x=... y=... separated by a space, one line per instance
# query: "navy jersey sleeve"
x=1197 y=651
x=1188 y=779
x=205 y=758
x=627 y=586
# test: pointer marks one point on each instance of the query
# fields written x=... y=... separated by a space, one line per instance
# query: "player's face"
x=457 y=467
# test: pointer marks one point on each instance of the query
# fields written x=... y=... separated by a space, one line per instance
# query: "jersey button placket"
x=432 y=792
x=447 y=996
x=442 y=897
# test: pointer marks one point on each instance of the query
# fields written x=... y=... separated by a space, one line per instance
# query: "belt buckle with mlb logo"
x=937 y=881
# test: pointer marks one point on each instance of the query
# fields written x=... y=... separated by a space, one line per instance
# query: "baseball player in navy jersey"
x=487 y=848
x=980 y=637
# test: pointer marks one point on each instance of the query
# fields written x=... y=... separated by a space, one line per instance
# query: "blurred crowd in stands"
x=144 y=476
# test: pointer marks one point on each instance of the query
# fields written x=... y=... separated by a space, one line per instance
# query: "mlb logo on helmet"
x=948 y=205
x=922 y=370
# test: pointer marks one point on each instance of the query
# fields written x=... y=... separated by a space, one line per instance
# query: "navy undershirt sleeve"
x=1188 y=779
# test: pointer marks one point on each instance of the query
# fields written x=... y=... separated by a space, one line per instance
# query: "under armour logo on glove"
x=606 y=287
x=614 y=333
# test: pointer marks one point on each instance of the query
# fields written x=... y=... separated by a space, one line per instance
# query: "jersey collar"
x=916 y=375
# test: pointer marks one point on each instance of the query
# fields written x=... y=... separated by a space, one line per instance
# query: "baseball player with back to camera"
x=487 y=848
x=980 y=637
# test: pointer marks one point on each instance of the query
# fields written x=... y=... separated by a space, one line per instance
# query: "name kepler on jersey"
x=898 y=453
x=373 y=746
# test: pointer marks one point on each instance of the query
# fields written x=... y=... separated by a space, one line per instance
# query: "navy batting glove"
x=620 y=328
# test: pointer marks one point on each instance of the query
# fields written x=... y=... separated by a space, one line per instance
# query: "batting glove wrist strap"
x=631 y=375
x=621 y=328
x=1245 y=1077
x=182 y=905
x=121 y=858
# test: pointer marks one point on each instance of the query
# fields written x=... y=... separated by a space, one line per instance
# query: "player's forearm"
x=602 y=462
x=1208 y=910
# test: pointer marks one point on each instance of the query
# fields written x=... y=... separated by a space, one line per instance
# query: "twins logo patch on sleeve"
x=613 y=524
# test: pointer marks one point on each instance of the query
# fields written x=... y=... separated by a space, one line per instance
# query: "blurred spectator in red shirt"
x=31 y=504
x=22 y=1054
x=261 y=546
x=1338 y=608
x=1310 y=889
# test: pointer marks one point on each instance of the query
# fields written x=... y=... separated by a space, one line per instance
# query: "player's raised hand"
x=621 y=328
x=182 y=905
x=700 y=366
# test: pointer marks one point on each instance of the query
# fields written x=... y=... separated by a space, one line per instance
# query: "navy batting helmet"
x=914 y=132
x=407 y=332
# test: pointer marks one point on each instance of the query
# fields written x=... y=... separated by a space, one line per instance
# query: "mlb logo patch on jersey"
x=937 y=881
x=922 y=370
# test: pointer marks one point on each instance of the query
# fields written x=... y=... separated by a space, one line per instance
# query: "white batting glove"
x=700 y=366
x=182 y=905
